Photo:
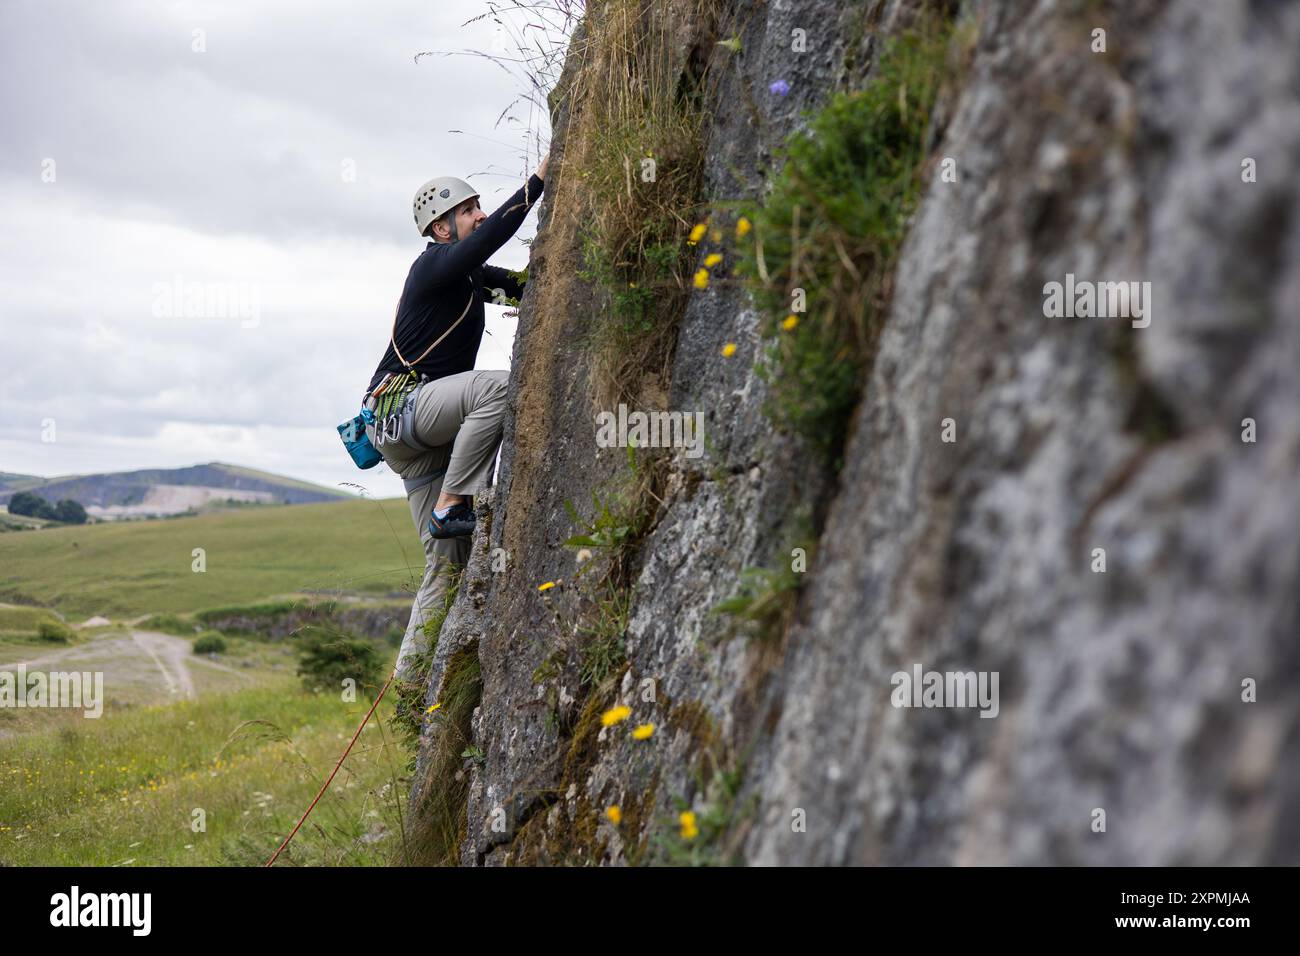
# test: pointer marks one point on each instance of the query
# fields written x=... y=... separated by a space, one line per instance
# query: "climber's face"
x=469 y=215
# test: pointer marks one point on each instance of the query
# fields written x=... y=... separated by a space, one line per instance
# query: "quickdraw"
x=391 y=396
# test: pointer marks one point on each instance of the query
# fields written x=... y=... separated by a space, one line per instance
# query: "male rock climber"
x=450 y=426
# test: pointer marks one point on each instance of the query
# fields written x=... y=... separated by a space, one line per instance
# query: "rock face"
x=1000 y=457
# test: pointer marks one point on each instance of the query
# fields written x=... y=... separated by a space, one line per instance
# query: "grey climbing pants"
x=450 y=431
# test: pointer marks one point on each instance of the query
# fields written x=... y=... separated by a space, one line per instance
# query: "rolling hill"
x=167 y=491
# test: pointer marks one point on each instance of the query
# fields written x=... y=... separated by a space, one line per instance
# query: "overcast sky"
x=274 y=166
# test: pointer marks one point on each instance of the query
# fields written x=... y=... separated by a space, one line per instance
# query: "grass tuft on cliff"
x=825 y=241
x=636 y=137
x=440 y=825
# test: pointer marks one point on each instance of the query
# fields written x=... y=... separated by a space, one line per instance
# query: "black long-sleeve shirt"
x=442 y=280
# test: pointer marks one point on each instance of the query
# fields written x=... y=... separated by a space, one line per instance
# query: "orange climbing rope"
x=326 y=786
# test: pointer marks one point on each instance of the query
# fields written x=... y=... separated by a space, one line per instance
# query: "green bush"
x=31 y=505
x=210 y=642
x=54 y=632
x=325 y=660
x=265 y=609
x=70 y=512
x=34 y=506
x=169 y=624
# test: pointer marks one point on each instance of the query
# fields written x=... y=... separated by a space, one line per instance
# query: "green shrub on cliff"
x=825 y=240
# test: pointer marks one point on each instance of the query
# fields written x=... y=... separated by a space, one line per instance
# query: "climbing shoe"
x=459 y=520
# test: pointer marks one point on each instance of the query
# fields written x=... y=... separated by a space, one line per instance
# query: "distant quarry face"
x=176 y=499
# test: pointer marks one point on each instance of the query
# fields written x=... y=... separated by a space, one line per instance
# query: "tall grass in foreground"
x=128 y=790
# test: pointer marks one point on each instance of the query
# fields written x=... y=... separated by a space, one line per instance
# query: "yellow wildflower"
x=790 y=322
x=689 y=830
x=433 y=708
x=644 y=732
x=712 y=259
x=546 y=586
x=698 y=233
x=729 y=350
x=742 y=227
x=702 y=279
x=615 y=815
x=615 y=714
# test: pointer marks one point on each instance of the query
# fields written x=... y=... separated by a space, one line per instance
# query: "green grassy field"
x=10 y=522
x=21 y=619
x=140 y=567
x=130 y=789
x=233 y=741
x=20 y=625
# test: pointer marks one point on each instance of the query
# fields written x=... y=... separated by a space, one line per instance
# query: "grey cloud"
x=241 y=146
x=250 y=136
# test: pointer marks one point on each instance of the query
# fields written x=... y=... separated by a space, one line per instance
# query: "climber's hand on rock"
x=541 y=170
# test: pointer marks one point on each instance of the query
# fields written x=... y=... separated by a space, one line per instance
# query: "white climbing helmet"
x=438 y=196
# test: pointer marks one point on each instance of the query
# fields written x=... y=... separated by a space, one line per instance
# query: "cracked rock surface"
x=1119 y=691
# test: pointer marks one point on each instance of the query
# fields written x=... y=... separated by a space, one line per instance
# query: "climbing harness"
x=396 y=392
x=385 y=405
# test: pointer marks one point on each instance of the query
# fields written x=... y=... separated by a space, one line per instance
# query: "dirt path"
x=62 y=659
x=171 y=654
x=140 y=658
